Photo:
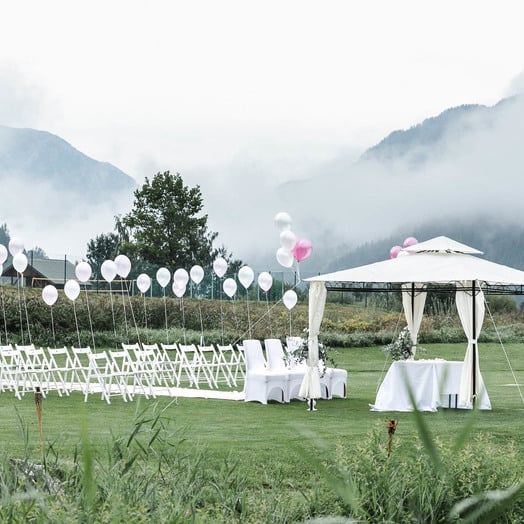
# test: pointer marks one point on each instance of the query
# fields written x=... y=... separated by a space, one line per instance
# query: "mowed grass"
x=264 y=436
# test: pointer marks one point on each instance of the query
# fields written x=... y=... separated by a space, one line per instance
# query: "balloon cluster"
x=395 y=251
x=291 y=247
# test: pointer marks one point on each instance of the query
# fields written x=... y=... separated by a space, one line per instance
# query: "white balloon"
x=108 y=270
x=163 y=276
x=16 y=245
x=197 y=274
x=283 y=220
x=181 y=277
x=49 y=295
x=246 y=276
x=72 y=289
x=230 y=287
x=265 y=281
x=83 y=271
x=178 y=291
x=3 y=253
x=20 y=262
x=143 y=282
x=123 y=265
x=288 y=239
x=220 y=267
x=284 y=257
x=290 y=299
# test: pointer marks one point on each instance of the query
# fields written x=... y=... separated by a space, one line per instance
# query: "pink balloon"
x=394 y=251
x=302 y=249
x=410 y=241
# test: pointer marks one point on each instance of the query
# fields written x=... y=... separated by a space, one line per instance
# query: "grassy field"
x=275 y=446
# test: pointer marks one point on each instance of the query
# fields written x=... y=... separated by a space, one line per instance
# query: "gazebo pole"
x=474 y=332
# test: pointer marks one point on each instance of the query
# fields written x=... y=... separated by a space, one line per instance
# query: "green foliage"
x=166 y=225
x=104 y=247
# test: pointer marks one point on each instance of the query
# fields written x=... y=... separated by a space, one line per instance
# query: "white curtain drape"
x=464 y=301
x=413 y=302
x=310 y=387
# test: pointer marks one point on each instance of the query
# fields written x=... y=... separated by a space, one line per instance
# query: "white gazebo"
x=438 y=261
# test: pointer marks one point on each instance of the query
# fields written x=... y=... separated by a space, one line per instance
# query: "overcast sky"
x=197 y=86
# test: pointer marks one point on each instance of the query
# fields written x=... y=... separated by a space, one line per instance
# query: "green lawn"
x=257 y=432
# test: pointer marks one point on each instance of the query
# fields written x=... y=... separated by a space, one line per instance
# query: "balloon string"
x=248 y=315
x=26 y=316
x=183 y=319
x=145 y=318
x=269 y=316
x=124 y=308
x=76 y=322
x=20 y=309
x=165 y=313
x=201 y=321
x=89 y=316
x=132 y=313
x=112 y=310
x=5 y=318
x=53 y=326
x=221 y=314
x=290 y=328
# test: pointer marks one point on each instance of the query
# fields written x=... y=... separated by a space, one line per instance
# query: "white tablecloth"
x=434 y=383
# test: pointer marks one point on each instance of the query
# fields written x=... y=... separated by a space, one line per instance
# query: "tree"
x=103 y=247
x=5 y=237
x=37 y=253
x=166 y=225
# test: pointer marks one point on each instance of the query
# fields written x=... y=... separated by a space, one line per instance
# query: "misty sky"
x=239 y=90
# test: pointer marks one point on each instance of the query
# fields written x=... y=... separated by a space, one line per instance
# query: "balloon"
x=179 y=291
x=16 y=246
x=108 y=270
x=197 y=274
x=3 y=253
x=283 y=221
x=265 y=281
x=20 y=262
x=246 y=276
x=394 y=251
x=302 y=249
x=49 y=294
x=220 y=267
x=288 y=239
x=410 y=241
x=290 y=299
x=181 y=277
x=83 y=271
x=230 y=287
x=163 y=276
x=123 y=265
x=284 y=257
x=72 y=289
x=143 y=282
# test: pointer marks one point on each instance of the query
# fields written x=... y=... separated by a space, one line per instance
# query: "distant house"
x=41 y=272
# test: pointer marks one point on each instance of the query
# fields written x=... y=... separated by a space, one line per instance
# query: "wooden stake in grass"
x=391 y=424
x=38 y=401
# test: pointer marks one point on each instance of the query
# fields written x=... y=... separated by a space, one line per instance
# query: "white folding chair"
x=172 y=362
x=11 y=369
x=210 y=363
x=129 y=375
x=191 y=365
x=100 y=378
x=231 y=363
x=60 y=369
x=260 y=383
x=276 y=361
x=80 y=370
x=156 y=360
x=35 y=372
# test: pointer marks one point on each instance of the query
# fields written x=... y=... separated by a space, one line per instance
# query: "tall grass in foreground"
x=150 y=475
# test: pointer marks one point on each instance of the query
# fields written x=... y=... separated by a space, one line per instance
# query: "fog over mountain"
x=462 y=166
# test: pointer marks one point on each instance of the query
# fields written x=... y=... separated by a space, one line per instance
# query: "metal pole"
x=474 y=343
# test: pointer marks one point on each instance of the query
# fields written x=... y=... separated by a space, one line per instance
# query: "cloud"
x=21 y=102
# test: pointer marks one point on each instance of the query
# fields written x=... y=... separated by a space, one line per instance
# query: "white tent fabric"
x=471 y=320
x=310 y=387
x=413 y=301
x=440 y=261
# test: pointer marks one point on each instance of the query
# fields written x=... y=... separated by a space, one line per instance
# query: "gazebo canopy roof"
x=440 y=260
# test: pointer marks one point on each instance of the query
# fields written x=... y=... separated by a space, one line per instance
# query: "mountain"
x=457 y=174
x=41 y=157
